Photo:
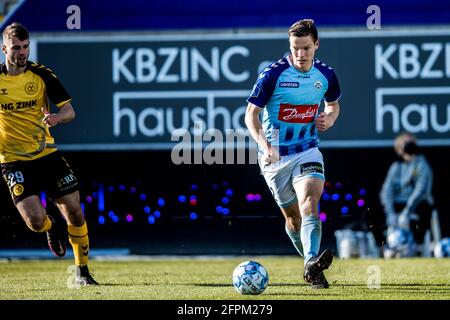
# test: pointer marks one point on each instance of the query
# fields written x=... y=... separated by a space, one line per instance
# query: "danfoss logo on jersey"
x=302 y=113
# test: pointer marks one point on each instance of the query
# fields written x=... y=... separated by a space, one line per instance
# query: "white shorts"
x=284 y=174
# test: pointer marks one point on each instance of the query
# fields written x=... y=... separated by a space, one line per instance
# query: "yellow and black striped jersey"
x=23 y=135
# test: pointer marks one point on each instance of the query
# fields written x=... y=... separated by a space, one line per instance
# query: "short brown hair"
x=16 y=29
x=304 y=28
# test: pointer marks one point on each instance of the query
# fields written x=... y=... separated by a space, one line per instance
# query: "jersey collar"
x=5 y=71
x=288 y=58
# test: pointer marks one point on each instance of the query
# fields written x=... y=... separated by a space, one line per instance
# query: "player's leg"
x=292 y=226
x=22 y=180
x=309 y=191
x=33 y=213
x=36 y=218
x=65 y=195
x=308 y=181
x=420 y=221
x=69 y=205
x=278 y=179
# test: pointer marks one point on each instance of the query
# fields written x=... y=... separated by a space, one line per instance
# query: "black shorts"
x=50 y=173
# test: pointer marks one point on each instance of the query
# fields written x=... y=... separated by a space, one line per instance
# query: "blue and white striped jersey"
x=291 y=100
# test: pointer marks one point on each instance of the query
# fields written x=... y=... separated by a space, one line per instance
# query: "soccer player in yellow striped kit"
x=30 y=161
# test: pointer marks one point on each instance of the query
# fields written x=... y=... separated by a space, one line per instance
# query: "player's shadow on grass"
x=300 y=284
x=230 y=285
x=396 y=285
x=216 y=285
x=309 y=293
x=111 y=284
x=417 y=285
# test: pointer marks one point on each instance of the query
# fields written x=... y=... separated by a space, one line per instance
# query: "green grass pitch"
x=210 y=279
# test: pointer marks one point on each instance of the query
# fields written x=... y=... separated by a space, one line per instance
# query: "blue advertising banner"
x=132 y=92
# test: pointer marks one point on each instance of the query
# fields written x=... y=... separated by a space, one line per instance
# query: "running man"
x=289 y=93
x=30 y=161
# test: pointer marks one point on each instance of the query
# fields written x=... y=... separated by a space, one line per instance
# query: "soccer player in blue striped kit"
x=289 y=93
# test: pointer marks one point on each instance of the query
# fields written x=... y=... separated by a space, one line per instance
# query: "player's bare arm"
x=326 y=119
x=254 y=125
x=65 y=114
x=256 y=131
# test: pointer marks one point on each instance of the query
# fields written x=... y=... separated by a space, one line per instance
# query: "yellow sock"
x=46 y=226
x=78 y=238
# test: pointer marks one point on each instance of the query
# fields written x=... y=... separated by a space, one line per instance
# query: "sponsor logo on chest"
x=288 y=84
x=303 y=113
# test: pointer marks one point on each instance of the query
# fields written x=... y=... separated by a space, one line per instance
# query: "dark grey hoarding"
x=131 y=92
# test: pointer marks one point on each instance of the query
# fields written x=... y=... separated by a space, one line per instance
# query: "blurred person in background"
x=406 y=194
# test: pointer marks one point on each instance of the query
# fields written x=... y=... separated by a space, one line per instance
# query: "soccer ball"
x=397 y=238
x=400 y=243
x=442 y=248
x=250 y=277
